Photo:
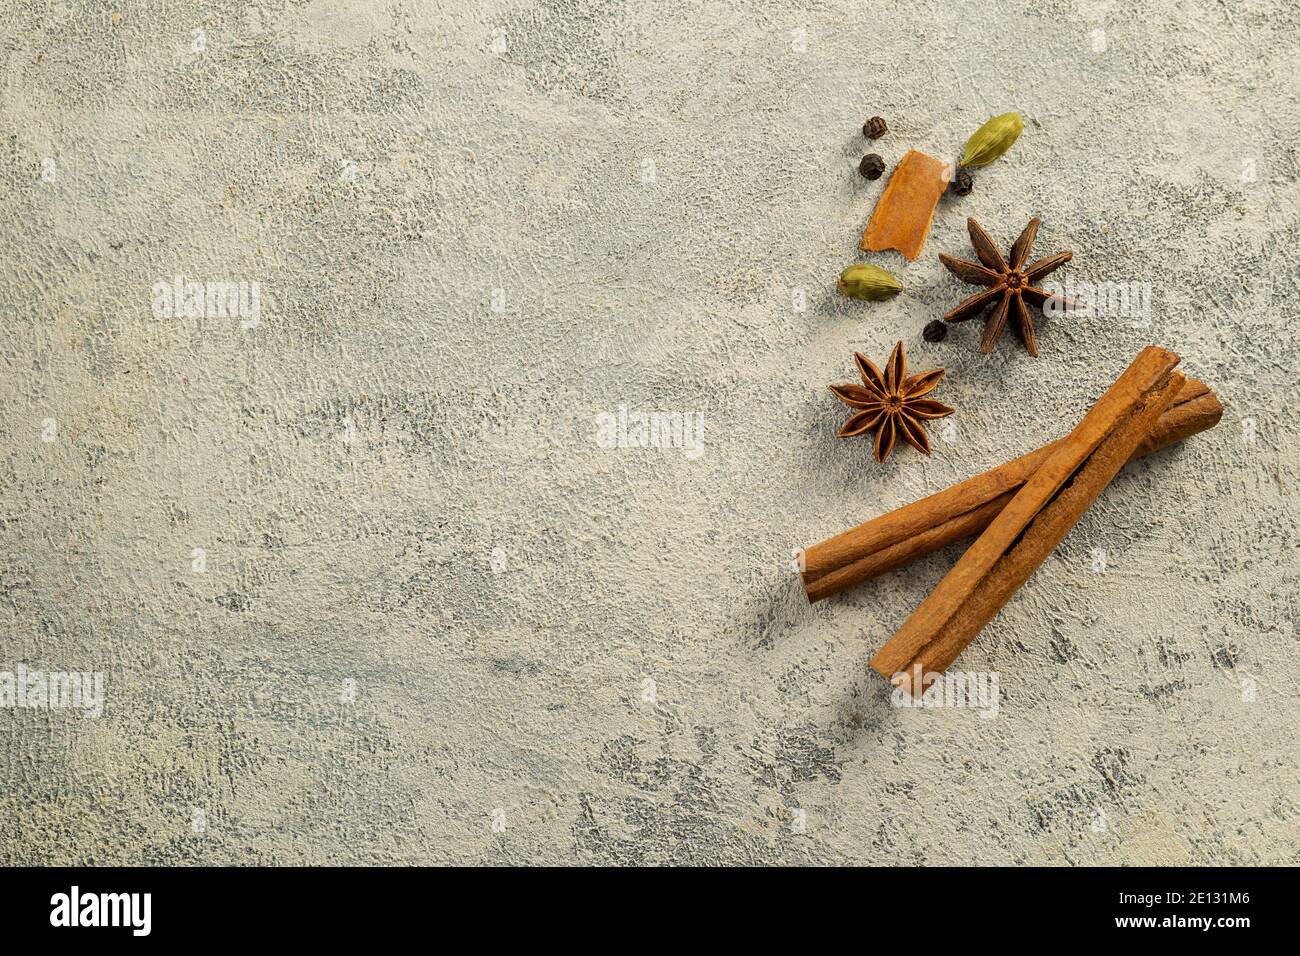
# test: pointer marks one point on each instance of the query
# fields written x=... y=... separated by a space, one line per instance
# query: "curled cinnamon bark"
x=1031 y=524
x=965 y=509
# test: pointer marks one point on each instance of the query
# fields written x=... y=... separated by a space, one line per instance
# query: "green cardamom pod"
x=992 y=139
x=872 y=283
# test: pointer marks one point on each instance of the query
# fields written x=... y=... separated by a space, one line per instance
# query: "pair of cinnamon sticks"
x=1020 y=510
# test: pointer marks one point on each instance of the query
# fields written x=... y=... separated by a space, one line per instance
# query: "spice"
x=867 y=282
x=992 y=139
x=906 y=207
x=964 y=510
x=891 y=404
x=1008 y=285
x=871 y=166
x=874 y=128
x=936 y=331
x=963 y=182
x=1032 y=524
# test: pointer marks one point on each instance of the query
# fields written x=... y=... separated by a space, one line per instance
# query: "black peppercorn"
x=871 y=166
x=962 y=183
x=874 y=128
x=936 y=331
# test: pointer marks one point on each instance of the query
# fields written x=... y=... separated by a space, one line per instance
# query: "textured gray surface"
x=396 y=485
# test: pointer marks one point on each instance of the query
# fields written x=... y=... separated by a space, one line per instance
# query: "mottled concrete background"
x=364 y=586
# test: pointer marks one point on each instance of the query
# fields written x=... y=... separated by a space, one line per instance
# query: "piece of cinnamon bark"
x=905 y=210
x=1026 y=531
x=895 y=539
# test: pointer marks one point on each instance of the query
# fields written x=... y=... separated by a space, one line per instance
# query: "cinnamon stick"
x=1032 y=524
x=964 y=510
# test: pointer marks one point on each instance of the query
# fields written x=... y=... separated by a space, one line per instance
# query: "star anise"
x=1009 y=285
x=891 y=403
